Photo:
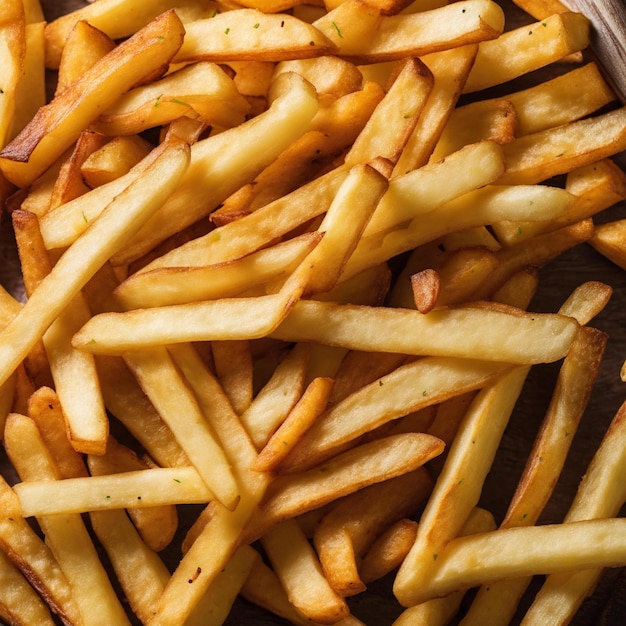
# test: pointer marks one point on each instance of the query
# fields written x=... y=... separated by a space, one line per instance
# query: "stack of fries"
x=279 y=261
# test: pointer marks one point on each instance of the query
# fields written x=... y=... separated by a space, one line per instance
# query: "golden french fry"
x=346 y=531
x=300 y=418
x=114 y=159
x=372 y=41
x=343 y=474
x=84 y=46
x=12 y=53
x=203 y=90
x=57 y=125
x=450 y=69
x=115 y=18
x=608 y=239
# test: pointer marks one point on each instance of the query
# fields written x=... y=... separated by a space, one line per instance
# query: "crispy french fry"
x=300 y=572
x=57 y=125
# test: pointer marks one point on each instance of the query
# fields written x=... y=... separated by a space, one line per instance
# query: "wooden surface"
x=608 y=605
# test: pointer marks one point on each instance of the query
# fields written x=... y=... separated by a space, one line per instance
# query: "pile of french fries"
x=278 y=262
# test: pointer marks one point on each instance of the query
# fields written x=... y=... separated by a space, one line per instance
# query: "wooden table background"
x=377 y=606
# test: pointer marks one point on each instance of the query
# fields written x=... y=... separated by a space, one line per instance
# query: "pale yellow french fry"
x=541 y=155
x=413 y=194
x=85 y=257
x=222 y=163
x=178 y=285
x=574 y=385
x=457 y=488
x=243 y=236
x=249 y=34
x=116 y=491
x=158 y=376
x=157 y=525
x=233 y=364
x=489 y=204
x=214 y=607
x=440 y=611
x=139 y=570
x=73 y=372
x=527 y=48
x=526 y=550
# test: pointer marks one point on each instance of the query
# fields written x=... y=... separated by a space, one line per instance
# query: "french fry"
x=113 y=17
x=450 y=69
x=156 y=525
x=527 y=48
x=530 y=550
x=12 y=51
x=113 y=160
x=598 y=496
x=19 y=603
x=57 y=125
x=83 y=259
x=300 y=418
x=66 y=535
x=300 y=572
x=234 y=368
x=34 y=559
x=249 y=34
x=297 y=493
x=73 y=372
x=156 y=486
x=386 y=38
x=303 y=238
x=202 y=89
x=93 y=45
x=344 y=533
